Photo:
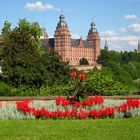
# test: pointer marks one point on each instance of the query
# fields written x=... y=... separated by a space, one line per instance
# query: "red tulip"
x=73 y=74
x=82 y=76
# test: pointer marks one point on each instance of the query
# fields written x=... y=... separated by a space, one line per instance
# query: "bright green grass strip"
x=101 y=129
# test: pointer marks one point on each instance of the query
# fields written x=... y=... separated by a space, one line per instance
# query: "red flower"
x=108 y=111
x=23 y=106
x=95 y=113
x=82 y=76
x=59 y=100
x=67 y=113
x=77 y=104
x=89 y=101
x=93 y=100
x=133 y=103
x=82 y=114
x=98 y=100
x=73 y=74
x=65 y=103
x=73 y=112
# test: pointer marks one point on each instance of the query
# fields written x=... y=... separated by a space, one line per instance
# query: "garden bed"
x=62 y=108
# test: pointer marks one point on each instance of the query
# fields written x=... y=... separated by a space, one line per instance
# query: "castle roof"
x=62 y=22
x=93 y=28
x=74 y=42
x=47 y=42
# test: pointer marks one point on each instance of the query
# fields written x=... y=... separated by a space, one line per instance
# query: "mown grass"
x=101 y=129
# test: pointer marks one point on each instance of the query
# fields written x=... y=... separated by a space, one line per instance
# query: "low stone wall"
x=86 y=68
x=20 y=98
x=11 y=100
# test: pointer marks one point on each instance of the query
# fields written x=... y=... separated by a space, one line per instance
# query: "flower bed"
x=92 y=107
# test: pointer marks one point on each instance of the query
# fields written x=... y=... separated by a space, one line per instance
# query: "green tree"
x=124 y=66
x=84 y=61
x=5 y=32
x=102 y=82
x=58 y=69
x=24 y=62
x=20 y=58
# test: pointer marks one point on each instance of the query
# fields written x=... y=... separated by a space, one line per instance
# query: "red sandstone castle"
x=72 y=50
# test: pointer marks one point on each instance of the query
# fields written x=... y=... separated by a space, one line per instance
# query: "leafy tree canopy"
x=125 y=66
x=84 y=61
x=21 y=60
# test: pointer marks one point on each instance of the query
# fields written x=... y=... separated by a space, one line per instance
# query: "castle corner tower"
x=94 y=41
x=62 y=39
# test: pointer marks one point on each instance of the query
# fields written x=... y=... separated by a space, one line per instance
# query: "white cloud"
x=39 y=6
x=122 y=29
x=135 y=27
x=110 y=33
x=131 y=40
x=120 y=42
x=132 y=16
x=124 y=38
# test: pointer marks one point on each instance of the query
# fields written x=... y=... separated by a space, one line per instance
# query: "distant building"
x=106 y=45
x=45 y=35
x=72 y=50
x=138 y=50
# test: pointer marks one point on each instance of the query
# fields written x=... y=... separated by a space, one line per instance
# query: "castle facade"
x=73 y=50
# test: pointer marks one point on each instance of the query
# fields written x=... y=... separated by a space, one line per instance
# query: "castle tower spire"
x=61 y=22
x=93 y=27
x=106 y=45
x=138 y=46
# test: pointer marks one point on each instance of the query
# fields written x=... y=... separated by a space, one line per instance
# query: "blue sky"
x=118 y=21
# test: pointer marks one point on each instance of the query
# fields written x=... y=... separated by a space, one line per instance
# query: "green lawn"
x=101 y=129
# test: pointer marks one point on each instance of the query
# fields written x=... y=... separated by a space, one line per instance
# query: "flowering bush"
x=78 y=85
x=92 y=107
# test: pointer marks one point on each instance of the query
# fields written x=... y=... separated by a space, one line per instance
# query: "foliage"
x=32 y=70
x=77 y=87
x=9 y=112
x=63 y=90
x=84 y=61
x=5 y=32
x=23 y=62
x=125 y=66
x=98 y=82
x=103 y=83
x=4 y=89
x=19 y=56
x=58 y=70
